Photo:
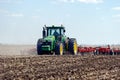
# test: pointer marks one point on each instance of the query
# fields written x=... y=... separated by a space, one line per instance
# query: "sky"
x=89 y=21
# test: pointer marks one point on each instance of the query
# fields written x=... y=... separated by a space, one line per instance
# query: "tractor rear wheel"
x=72 y=46
x=59 y=48
x=39 y=46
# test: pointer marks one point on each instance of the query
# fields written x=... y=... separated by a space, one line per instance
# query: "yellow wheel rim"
x=67 y=45
x=61 y=49
x=75 y=47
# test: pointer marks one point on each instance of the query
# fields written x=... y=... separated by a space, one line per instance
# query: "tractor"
x=54 y=41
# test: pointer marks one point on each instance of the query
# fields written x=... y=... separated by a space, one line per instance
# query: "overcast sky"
x=89 y=21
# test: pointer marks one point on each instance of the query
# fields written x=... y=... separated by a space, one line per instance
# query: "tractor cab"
x=56 y=31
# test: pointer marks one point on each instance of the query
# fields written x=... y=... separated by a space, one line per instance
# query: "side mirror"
x=64 y=31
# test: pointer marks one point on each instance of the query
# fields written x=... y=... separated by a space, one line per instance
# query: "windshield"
x=53 y=32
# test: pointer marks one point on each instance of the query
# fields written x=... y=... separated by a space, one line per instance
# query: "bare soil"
x=29 y=66
x=66 y=67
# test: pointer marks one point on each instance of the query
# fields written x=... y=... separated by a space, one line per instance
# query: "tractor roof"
x=54 y=27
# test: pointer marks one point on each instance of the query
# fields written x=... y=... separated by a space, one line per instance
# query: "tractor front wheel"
x=72 y=46
x=59 y=48
x=39 y=46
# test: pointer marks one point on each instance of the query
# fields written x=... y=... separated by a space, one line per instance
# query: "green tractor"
x=55 y=41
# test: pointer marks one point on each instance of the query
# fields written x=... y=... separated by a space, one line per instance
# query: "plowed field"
x=65 y=67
